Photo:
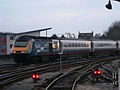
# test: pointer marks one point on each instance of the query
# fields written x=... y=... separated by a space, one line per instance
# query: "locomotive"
x=32 y=49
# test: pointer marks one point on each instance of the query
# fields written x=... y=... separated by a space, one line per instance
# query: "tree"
x=113 y=31
x=54 y=36
x=62 y=36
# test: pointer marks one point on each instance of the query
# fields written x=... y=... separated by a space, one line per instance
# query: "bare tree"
x=113 y=31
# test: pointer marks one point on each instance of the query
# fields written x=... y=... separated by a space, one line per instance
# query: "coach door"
x=50 y=47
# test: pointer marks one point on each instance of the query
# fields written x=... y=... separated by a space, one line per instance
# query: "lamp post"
x=60 y=61
x=60 y=54
x=109 y=5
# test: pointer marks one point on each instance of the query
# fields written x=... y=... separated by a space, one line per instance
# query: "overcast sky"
x=62 y=15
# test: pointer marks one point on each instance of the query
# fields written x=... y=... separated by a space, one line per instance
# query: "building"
x=86 y=36
x=7 y=39
x=97 y=36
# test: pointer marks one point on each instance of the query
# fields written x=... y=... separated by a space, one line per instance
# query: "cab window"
x=20 y=44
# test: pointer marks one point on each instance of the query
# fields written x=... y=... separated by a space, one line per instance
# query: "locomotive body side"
x=27 y=49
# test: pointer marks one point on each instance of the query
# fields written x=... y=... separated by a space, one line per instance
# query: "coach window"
x=64 y=45
x=72 y=44
x=69 y=44
x=55 y=45
x=104 y=44
x=10 y=45
x=77 y=44
x=81 y=44
x=96 y=45
x=114 y=44
x=99 y=45
x=85 y=45
x=111 y=44
x=11 y=37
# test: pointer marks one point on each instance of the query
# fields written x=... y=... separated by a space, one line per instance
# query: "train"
x=32 y=49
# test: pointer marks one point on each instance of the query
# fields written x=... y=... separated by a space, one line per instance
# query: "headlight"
x=24 y=51
x=13 y=51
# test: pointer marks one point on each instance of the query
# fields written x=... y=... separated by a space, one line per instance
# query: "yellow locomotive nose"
x=17 y=49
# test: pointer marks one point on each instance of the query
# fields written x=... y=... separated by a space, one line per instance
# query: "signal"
x=97 y=72
x=35 y=77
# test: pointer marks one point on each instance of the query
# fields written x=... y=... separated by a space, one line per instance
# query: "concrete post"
x=118 y=78
x=60 y=63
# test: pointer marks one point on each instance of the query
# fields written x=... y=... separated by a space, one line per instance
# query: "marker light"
x=22 y=51
x=33 y=76
x=14 y=51
x=37 y=76
x=97 y=72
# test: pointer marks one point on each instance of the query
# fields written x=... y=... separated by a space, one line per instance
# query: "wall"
x=9 y=43
x=3 y=44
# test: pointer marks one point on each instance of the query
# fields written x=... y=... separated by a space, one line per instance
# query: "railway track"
x=105 y=76
x=26 y=71
x=69 y=80
x=6 y=68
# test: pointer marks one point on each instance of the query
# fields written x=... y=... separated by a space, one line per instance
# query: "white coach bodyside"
x=104 y=45
x=76 y=45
